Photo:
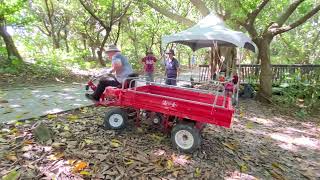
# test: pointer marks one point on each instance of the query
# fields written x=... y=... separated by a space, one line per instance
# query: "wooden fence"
x=281 y=73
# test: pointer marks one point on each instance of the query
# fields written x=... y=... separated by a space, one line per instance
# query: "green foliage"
x=141 y=28
x=304 y=96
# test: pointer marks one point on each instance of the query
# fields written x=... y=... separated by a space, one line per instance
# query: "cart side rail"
x=216 y=94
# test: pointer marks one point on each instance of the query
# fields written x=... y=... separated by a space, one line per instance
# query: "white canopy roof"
x=209 y=31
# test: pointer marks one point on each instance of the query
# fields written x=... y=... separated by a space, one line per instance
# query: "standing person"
x=120 y=66
x=172 y=68
x=149 y=62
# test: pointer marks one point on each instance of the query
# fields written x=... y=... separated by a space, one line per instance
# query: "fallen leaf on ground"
x=169 y=165
x=88 y=141
x=277 y=176
x=277 y=165
x=66 y=128
x=56 y=156
x=71 y=161
x=249 y=125
x=18 y=123
x=80 y=166
x=11 y=157
x=175 y=173
x=157 y=137
x=86 y=173
x=52 y=116
x=230 y=146
x=12 y=175
x=243 y=168
x=129 y=162
x=115 y=143
x=72 y=117
x=181 y=159
x=197 y=172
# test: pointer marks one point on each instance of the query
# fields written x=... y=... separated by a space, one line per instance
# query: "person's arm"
x=116 y=64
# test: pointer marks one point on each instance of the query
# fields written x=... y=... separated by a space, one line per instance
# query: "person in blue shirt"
x=172 y=68
x=121 y=68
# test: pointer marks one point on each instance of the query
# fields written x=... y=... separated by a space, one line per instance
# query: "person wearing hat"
x=120 y=66
x=172 y=68
x=149 y=61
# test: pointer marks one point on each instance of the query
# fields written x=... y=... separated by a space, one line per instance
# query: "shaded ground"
x=262 y=143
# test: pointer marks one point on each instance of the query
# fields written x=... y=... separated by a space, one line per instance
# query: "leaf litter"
x=78 y=148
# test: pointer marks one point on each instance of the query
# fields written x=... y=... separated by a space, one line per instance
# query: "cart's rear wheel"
x=115 y=118
x=185 y=137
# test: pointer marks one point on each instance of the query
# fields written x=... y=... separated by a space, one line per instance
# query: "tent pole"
x=192 y=63
x=238 y=73
x=211 y=64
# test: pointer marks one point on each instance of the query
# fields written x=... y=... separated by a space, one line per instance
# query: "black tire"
x=187 y=131
x=116 y=119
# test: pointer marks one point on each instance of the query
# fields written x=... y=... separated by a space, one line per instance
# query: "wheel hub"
x=116 y=120
x=184 y=139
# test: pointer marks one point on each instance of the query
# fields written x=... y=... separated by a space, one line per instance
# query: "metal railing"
x=217 y=93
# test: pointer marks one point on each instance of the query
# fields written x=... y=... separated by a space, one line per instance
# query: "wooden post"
x=212 y=66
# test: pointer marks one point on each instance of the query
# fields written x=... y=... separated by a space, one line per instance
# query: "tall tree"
x=53 y=20
x=107 y=18
x=9 y=10
x=263 y=33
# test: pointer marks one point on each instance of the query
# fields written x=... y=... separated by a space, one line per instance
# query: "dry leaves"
x=80 y=166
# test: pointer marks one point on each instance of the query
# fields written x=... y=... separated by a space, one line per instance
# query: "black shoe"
x=90 y=96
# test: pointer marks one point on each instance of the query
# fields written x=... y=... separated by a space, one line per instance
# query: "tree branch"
x=299 y=21
x=43 y=31
x=111 y=16
x=253 y=15
x=169 y=14
x=123 y=14
x=93 y=15
x=46 y=27
x=201 y=6
x=241 y=6
x=284 y=17
x=118 y=33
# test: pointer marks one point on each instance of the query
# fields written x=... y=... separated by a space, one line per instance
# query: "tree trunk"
x=100 y=58
x=229 y=57
x=66 y=40
x=265 y=90
x=189 y=61
x=93 y=52
x=84 y=41
x=10 y=46
x=55 y=42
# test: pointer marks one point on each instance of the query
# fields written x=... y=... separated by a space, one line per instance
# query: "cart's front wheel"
x=115 y=118
x=185 y=138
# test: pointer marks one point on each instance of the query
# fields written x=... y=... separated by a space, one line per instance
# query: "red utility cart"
x=183 y=111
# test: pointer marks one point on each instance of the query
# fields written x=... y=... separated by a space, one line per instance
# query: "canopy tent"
x=210 y=31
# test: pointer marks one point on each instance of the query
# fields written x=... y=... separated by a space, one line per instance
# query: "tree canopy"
x=75 y=32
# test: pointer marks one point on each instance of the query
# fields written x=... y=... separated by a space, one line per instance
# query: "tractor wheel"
x=186 y=138
x=115 y=118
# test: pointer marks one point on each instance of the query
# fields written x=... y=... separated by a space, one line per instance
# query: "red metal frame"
x=171 y=101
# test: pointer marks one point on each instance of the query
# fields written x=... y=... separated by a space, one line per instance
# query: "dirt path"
x=262 y=144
